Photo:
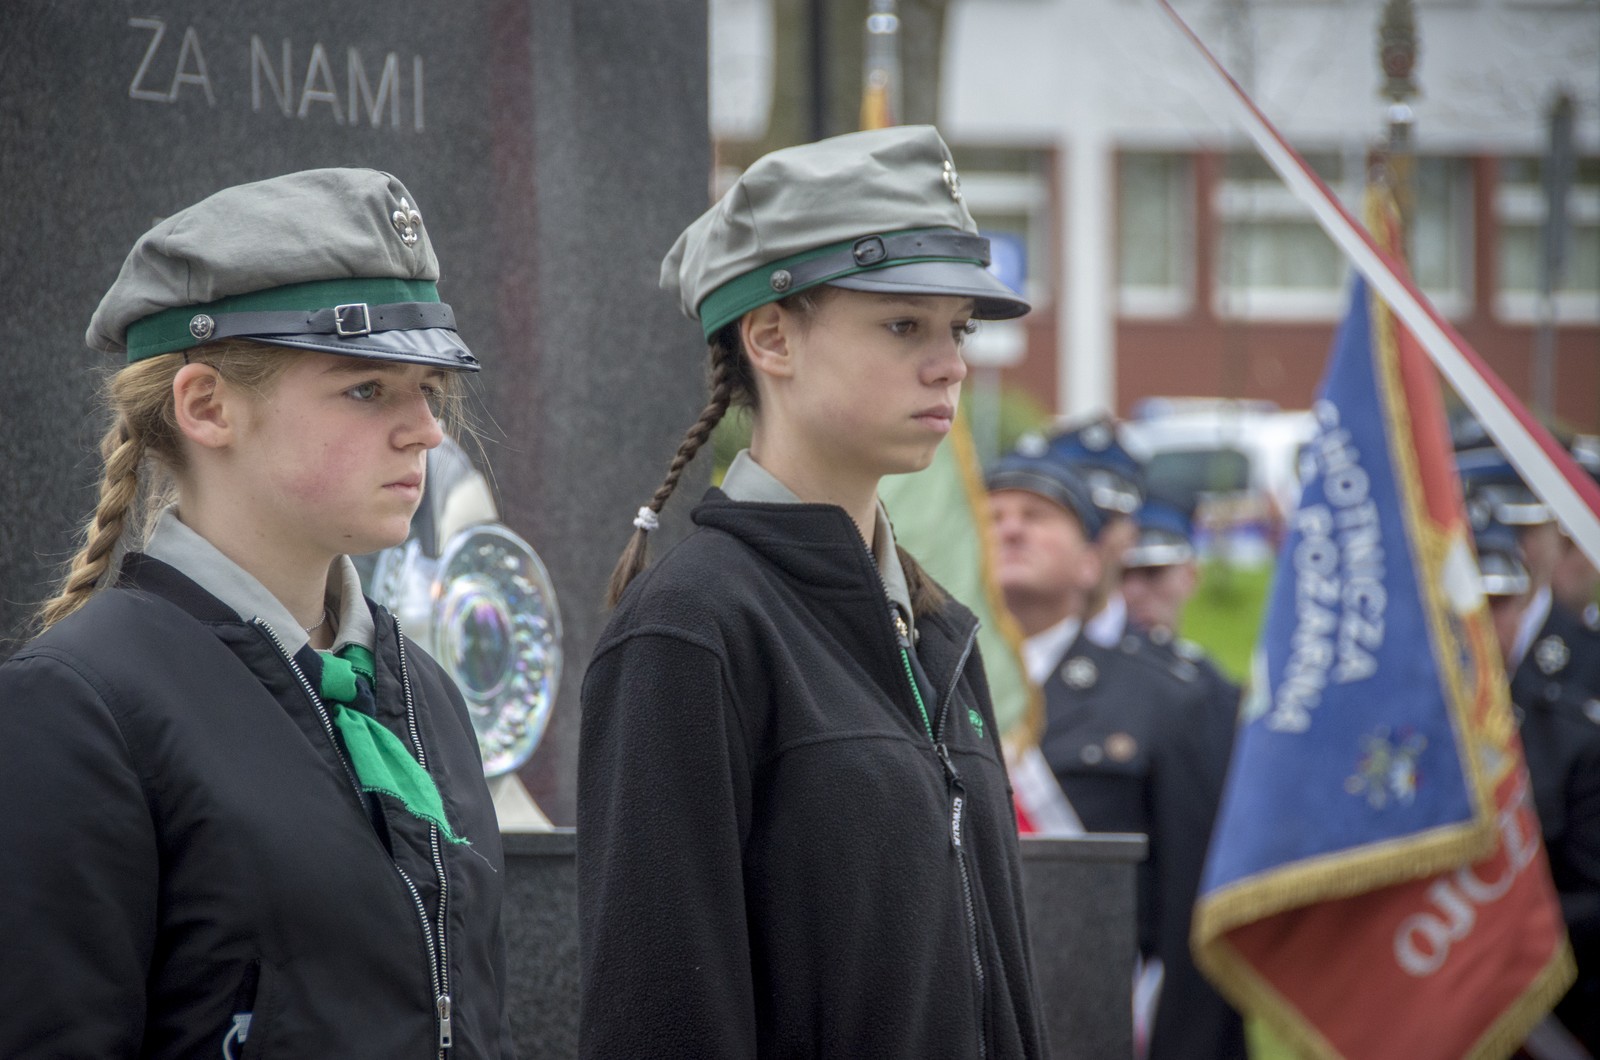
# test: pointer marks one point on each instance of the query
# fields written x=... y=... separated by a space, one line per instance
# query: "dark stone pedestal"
x=1081 y=909
x=1080 y=897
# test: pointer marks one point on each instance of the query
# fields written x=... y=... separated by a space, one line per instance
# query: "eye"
x=368 y=391
x=963 y=330
x=902 y=328
x=435 y=397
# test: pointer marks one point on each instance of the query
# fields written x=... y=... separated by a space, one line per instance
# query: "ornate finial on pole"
x=1397 y=57
x=880 y=84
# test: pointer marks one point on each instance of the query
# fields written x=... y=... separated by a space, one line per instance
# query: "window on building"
x=1155 y=233
x=1273 y=261
x=1442 y=232
x=1520 y=208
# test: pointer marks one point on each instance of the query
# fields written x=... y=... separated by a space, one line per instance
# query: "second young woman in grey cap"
x=246 y=816
x=795 y=835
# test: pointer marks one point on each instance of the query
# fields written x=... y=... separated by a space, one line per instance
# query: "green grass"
x=1224 y=615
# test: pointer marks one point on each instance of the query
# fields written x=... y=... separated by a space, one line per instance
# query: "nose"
x=948 y=367
x=1005 y=525
x=419 y=426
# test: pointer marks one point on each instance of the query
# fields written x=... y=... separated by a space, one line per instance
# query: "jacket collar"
x=141 y=572
x=746 y=480
x=818 y=545
x=175 y=544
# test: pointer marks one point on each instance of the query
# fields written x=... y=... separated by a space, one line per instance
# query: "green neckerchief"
x=381 y=761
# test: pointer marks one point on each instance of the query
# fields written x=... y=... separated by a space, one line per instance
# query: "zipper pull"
x=958 y=794
x=442 y=1006
x=901 y=631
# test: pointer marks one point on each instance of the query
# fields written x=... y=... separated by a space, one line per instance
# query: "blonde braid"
x=123 y=451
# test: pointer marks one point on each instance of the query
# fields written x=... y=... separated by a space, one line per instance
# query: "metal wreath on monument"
x=477 y=598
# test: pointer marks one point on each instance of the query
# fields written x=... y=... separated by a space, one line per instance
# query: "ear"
x=1190 y=578
x=765 y=332
x=1090 y=567
x=201 y=404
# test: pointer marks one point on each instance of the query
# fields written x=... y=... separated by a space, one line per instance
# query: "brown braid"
x=927 y=596
x=725 y=362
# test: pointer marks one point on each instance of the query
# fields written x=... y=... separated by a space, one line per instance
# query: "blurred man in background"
x=1552 y=642
x=1560 y=728
x=1125 y=723
x=1161 y=572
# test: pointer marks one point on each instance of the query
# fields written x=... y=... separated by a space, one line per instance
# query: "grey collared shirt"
x=747 y=480
x=178 y=546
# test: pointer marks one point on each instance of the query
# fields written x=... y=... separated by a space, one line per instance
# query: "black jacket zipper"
x=441 y=980
x=438 y=957
x=953 y=784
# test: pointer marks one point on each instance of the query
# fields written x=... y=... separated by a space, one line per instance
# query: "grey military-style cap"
x=869 y=211
x=335 y=260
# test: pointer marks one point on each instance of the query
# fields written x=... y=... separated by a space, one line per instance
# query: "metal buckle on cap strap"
x=876 y=250
x=868 y=251
x=352 y=319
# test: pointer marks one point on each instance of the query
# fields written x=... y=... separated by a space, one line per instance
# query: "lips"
x=412 y=481
x=939 y=417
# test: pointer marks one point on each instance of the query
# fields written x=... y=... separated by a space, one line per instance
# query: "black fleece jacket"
x=183 y=843
x=768 y=855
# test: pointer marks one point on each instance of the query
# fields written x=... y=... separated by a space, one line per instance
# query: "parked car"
x=1234 y=462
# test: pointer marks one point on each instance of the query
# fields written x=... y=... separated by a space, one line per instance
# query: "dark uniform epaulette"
x=1161 y=656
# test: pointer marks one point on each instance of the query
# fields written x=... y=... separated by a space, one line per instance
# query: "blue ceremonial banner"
x=1351 y=733
x=1376 y=885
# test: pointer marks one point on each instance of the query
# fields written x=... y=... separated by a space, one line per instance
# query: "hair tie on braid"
x=647 y=520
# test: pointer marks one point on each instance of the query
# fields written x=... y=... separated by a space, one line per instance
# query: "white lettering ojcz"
x=1422 y=941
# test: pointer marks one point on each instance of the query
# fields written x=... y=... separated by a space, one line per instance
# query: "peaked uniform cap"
x=803 y=209
x=251 y=258
x=1093 y=448
x=1166 y=535
x=1052 y=479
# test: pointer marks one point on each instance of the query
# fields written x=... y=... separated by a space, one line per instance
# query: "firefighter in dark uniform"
x=1553 y=643
x=1575 y=583
x=1160 y=574
x=1115 y=480
x=1560 y=728
x=1123 y=723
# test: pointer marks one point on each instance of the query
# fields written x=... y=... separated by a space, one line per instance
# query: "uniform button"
x=1091 y=754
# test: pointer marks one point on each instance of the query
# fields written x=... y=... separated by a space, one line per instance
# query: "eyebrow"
x=362 y=366
x=915 y=301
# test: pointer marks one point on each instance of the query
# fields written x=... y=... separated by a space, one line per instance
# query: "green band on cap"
x=168 y=331
x=738 y=296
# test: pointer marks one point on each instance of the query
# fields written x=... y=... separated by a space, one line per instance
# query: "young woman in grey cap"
x=244 y=815
x=795 y=835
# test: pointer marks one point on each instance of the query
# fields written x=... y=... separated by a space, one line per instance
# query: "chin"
x=378 y=539
x=909 y=463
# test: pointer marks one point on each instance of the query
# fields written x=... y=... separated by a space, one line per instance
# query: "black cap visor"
x=438 y=347
x=960 y=279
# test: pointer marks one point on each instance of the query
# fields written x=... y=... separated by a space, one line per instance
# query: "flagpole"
x=1397 y=58
x=1547 y=468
